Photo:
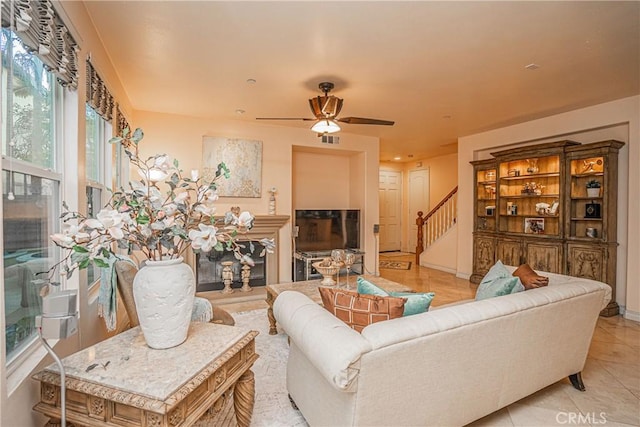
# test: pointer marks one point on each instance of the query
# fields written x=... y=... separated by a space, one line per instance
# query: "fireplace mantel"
x=268 y=226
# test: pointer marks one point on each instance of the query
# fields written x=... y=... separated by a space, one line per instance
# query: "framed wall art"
x=243 y=157
x=534 y=225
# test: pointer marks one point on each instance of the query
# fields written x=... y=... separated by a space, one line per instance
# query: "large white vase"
x=164 y=292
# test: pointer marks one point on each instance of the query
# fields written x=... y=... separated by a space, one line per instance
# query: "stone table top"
x=126 y=365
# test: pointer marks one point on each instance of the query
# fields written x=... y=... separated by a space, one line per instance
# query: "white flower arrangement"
x=160 y=225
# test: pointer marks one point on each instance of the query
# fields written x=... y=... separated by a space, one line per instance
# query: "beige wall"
x=294 y=161
x=321 y=181
x=613 y=120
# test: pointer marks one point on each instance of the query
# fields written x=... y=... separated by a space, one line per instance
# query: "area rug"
x=272 y=406
x=396 y=265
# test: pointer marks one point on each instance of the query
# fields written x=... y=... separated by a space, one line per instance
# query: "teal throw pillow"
x=416 y=303
x=368 y=288
x=498 y=281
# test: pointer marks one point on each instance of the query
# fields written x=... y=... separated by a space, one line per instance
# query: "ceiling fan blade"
x=363 y=121
x=286 y=118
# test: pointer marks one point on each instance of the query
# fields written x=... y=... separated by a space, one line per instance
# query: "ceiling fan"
x=326 y=109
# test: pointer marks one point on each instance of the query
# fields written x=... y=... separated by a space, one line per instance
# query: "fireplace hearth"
x=209 y=271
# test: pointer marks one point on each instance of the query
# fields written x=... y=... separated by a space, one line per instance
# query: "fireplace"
x=209 y=270
x=264 y=226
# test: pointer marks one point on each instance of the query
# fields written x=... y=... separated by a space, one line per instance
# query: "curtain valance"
x=98 y=96
x=121 y=121
x=43 y=32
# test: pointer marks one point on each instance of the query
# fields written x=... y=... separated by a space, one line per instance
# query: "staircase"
x=437 y=222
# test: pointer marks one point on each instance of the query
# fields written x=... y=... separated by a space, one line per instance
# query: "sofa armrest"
x=329 y=344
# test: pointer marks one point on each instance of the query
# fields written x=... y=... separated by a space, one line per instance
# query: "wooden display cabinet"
x=544 y=215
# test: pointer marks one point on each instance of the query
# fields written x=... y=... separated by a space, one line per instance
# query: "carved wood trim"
x=48 y=378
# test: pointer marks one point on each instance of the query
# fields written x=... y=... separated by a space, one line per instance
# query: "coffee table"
x=134 y=385
x=310 y=289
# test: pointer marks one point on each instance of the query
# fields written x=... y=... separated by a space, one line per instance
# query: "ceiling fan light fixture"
x=325 y=126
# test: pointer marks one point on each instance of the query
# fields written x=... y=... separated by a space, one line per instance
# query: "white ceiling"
x=440 y=70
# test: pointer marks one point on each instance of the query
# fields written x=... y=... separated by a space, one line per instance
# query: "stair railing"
x=437 y=222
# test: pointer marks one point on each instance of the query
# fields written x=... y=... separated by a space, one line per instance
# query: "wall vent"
x=330 y=139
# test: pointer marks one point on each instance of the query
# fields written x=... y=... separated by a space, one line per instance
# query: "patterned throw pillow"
x=359 y=311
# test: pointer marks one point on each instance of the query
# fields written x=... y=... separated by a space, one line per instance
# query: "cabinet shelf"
x=530 y=176
x=487 y=182
x=484 y=199
x=587 y=174
x=585 y=239
x=530 y=216
x=586 y=219
x=531 y=196
x=586 y=198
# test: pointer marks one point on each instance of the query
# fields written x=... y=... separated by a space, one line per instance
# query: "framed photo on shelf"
x=534 y=225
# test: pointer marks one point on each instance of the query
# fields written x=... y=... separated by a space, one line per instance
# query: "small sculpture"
x=588 y=165
x=227 y=276
x=272 y=200
x=245 y=274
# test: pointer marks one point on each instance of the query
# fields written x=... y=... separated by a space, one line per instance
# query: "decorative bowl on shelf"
x=328 y=269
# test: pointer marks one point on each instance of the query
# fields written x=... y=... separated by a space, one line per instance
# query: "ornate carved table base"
x=120 y=394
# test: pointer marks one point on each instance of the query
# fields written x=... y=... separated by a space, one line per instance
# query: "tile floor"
x=611 y=374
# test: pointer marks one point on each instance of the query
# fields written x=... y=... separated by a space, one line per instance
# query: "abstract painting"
x=243 y=157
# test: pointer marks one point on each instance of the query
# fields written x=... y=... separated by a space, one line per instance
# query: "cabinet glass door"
x=586 y=198
x=486 y=199
x=530 y=196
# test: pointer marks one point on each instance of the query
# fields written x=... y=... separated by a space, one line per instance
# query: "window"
x=98 y=159
x=31 y=186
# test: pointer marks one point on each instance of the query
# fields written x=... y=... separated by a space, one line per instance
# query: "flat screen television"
x=324 y=229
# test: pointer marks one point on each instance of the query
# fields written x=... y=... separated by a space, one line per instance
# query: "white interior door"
x=418 y=193
x=390 y=188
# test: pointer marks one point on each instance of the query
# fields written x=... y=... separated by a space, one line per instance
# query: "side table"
x=121 y=381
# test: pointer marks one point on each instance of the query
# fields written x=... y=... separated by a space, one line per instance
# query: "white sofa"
x=447 y=367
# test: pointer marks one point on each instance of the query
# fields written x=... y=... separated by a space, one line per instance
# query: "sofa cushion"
x=529 y=278
x=416 y=302
x=497 y=282
x=360 y=310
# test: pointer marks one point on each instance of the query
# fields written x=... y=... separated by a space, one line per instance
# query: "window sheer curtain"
x=41 y=30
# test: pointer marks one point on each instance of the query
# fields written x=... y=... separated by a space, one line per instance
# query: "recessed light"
x=251 y=81
x=397 y=158
x=240 y=111
x=446 y=117
x=532 y=66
